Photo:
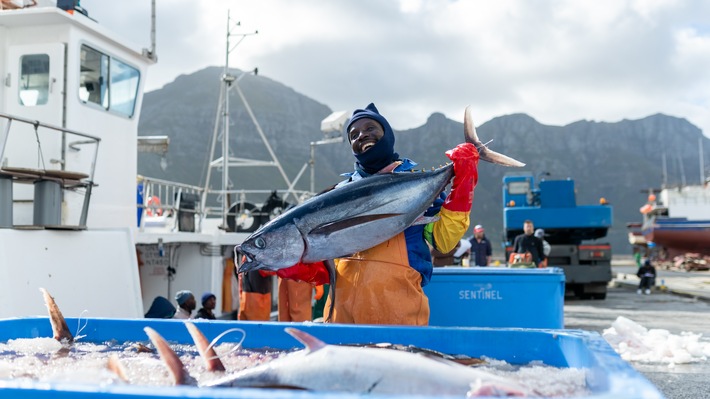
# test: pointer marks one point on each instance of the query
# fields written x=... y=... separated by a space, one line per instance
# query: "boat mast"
x=702 y=160
x=682 y=170
x=665 y=170
x=227 y=79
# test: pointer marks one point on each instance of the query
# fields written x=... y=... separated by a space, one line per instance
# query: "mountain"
x=619 y=161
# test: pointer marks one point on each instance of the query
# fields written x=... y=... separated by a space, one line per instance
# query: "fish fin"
x=312 y=343
x=59 y=324
x=470 y=135
x=170 y=358
x=426 y=219
x=332 y=227
x=212 y=362
x=114 y=365
x=498 y=158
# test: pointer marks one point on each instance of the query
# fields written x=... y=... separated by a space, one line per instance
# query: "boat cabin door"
x=34 y=89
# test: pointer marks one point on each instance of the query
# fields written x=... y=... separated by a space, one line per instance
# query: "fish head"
x=274 y=248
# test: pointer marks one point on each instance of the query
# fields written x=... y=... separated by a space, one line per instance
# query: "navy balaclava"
x=382 y=153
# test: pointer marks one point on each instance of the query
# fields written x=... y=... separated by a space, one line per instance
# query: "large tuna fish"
x=360 y=370
x=353 y=218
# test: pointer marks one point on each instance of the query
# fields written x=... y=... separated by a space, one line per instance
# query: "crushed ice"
x=636 y=343
x=45 y=360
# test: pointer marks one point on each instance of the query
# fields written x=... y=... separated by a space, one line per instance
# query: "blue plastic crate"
x=497 y=297
x=608 y=375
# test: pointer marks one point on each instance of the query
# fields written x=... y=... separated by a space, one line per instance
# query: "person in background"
x=462 y=252
x=637 y=255
x=481 y=249
x=186 y=304
x=209 y=302
x=295 y=300
x=383 y=284
x=440 y=259
x=546 y=248
x=528 y=243
x=647 y=274
x=161 y=308
x=255 y=296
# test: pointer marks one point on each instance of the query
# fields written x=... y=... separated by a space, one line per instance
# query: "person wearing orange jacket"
x=383 y=285
x=295 y=300
x=255 y=296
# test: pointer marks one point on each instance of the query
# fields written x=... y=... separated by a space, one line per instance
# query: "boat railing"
x=162 y=200
x=46 y=170
x=180 y=207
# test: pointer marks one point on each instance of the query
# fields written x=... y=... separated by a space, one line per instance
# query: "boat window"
x=124 y=87
x=108 y=82
x=34 y=79
x=94 y=77
x=518 y=187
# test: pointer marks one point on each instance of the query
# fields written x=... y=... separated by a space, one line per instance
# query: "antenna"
x=150 y=53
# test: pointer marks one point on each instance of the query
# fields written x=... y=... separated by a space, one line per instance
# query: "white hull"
x=90 y=273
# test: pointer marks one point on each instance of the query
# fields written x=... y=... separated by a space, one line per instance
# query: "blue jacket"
x=418 y=252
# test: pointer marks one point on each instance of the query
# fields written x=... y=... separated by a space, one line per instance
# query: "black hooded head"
x=382 y=153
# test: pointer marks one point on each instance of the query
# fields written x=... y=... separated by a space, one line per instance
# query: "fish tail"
x=486 y=154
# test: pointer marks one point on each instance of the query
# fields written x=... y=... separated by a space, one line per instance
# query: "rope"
x=40 y=157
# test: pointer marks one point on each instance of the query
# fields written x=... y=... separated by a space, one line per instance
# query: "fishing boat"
x=75 y=217
x=677 y=220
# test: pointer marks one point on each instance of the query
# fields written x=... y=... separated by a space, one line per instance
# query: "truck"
x=573 y=231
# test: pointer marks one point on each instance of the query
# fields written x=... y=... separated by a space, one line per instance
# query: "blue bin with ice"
x=606 y=375
x=496 y=297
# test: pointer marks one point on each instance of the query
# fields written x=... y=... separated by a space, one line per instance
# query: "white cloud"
x=558 y=61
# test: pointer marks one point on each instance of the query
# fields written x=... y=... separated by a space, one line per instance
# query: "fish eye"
x=260 y=243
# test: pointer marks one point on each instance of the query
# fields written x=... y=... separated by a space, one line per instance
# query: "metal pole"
x=5 y=201
x=665 y=170
x=225 y=133
x=682 y=169
x=153 y=56
x=313 y=163
x=702 y=160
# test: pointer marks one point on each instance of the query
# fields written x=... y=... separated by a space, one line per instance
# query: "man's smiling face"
x=364 y=134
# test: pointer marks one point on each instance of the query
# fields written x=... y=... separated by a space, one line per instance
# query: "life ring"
x=153 y=207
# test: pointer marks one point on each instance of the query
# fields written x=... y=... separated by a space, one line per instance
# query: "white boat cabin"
x=70 y=101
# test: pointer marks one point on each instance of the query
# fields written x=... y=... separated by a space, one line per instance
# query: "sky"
x=555 y=60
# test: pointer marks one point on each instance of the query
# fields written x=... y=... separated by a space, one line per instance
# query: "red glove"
x=313 y=273
x=465 y=159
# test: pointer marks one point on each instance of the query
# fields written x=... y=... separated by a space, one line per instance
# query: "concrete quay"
x=691 y=284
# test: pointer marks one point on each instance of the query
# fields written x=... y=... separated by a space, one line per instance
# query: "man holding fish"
x=383 y=284
x=376 y=224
